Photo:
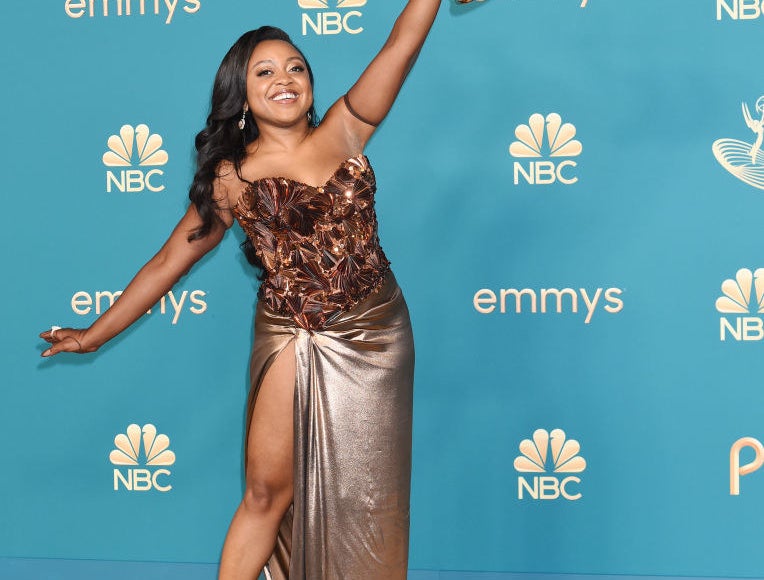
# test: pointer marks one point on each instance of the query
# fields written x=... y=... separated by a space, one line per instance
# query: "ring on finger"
x=53 y=330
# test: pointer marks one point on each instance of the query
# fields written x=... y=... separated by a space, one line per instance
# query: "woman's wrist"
x=87 y=342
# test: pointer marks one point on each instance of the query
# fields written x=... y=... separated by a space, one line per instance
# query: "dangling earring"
x=243 y=120
x=310 y=118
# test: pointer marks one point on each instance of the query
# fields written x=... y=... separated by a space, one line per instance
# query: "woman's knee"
x=267 y=498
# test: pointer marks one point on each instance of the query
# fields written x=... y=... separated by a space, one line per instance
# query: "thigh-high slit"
x=352 y=440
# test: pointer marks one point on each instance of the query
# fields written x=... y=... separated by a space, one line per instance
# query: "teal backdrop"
x=571 y=197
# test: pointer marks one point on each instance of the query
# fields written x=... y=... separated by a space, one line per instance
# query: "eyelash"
x=297 y=67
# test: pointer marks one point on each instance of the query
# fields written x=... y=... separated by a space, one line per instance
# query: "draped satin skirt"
x=352 y=451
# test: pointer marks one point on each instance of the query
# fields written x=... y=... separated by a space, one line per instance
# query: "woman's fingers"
x=51 y=335
x=67 y=344
x=61 y=340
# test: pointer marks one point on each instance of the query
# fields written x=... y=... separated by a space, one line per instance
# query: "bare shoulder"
x=228 y=184
x=227 y=188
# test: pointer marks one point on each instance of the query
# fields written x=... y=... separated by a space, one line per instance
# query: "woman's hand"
x=66 y=340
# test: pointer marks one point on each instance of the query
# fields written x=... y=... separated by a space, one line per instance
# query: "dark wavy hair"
x=221 y=140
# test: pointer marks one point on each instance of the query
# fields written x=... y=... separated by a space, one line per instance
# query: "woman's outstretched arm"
x=372 y=96
x=152 y=282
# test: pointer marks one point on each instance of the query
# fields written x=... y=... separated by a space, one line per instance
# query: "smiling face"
x=279 y=91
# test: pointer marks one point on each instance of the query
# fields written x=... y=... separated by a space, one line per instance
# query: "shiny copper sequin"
x=318 y=245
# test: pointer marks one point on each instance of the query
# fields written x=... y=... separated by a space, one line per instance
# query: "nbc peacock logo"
x=323 y=19
x=138 y=149
x=742 y=159
x=742 y=304
x=142 y=446
x=549 y=452
x=545 y=137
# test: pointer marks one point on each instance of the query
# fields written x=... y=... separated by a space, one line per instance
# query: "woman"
x=329 y=417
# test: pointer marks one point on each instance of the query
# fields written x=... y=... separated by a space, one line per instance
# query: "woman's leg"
x=268 y=494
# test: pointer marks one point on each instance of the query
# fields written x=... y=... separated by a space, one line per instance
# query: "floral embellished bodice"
x=318 y=245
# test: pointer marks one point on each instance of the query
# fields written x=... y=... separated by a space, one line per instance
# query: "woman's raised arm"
x=372 y=96
x=154 y=280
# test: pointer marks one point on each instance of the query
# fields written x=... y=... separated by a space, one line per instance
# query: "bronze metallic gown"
x=329 y=287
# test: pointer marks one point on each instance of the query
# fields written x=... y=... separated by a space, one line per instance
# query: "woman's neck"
x=281 y=139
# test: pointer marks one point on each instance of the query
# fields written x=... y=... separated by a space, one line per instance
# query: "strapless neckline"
x=318 y=245
x=343 y=164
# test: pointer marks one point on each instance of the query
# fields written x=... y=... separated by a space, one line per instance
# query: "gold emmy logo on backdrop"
x=549 y=452
x=97 y=8
x=156 y=452
x=737 y=470
x=134 y=146
x=548 y=300
x=743 y=295
x=742 y=159
x=327 y=21
x=543 y=134
x=84 y=302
